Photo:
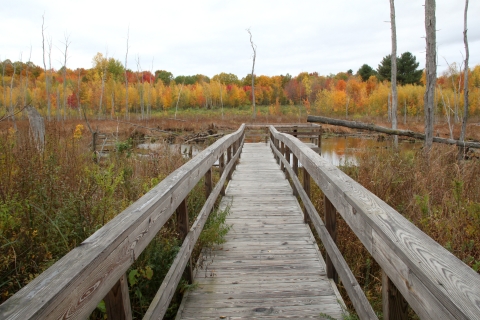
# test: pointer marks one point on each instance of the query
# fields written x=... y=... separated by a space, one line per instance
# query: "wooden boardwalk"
x=270 y=266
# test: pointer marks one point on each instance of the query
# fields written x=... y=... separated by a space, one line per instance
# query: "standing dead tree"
x=463 y=131
x=394 y=71
x=254 y=48
x=47 y=79
x=127 y=116
x=431 y=71
x=37 y=127
x=65 y=58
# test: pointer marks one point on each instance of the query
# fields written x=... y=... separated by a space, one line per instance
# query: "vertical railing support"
x=282 y=152
x=306 y=187
x=208 y=183
x=221 y=164
x=117 y=301
x=319 y=141
x=287 y=156
x=394 y=305
x=229 y=158
x=182 y=229
x=331 y=225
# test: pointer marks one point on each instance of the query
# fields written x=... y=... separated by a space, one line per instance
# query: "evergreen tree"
x=407 y=72
x=365 y=72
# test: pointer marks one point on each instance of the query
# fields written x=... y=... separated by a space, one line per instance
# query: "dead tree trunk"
x=405 y=133
x=126 y=80
x=394 y=70
x=431 y=71
x=254 y=47
x=463 y=132
x=67 y=43
x=47 y=90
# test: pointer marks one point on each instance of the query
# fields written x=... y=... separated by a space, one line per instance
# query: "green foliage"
x=365 y=72
x=165 y=76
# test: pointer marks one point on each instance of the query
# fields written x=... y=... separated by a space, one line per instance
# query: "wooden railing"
x=416 y=269
x=311 y=131
x=95 y=270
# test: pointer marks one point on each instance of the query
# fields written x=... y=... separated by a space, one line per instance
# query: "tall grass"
x=51 y=201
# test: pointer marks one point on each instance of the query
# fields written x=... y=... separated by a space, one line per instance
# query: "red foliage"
x=72 y=101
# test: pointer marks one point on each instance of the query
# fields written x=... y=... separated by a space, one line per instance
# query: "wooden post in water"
x=306 y=187
x=182 y=229
x=331 y=225
x=221 y=164
x=394 y=305
x=294 y=131
x=117 y=301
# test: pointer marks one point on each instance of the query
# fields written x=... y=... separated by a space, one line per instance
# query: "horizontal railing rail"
x=95 y=270
x=435 y=283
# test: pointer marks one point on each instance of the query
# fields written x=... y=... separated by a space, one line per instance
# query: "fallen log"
x=152 y=129
x=398 y=132
x=199 y=138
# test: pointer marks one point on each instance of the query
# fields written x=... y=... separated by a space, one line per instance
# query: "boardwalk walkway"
x=270 y=266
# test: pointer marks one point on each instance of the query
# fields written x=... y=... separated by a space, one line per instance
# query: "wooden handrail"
x=357 y=296
x=74 y=285
x=435 y=283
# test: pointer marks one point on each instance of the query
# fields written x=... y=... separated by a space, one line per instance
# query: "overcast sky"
x=208 y=37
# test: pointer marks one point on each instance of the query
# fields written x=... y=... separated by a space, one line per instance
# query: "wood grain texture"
x=434 y=282
x=74 y=285
x=270 y=265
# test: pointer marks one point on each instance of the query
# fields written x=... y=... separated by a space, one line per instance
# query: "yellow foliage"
x=78 y=133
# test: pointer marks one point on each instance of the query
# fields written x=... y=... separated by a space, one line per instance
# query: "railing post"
x=221 y=163
x=394 y=305
x=282 y=152
x=306 y=187
x=287 y=155
x=319 y=141
x=331 y=225
x=117 y=301
x=182 y=229
x=208 y=183
x=229 y=158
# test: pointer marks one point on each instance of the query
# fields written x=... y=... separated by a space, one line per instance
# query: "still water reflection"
x=344 y=150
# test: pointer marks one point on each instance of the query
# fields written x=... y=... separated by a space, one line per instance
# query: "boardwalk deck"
x=270 y=266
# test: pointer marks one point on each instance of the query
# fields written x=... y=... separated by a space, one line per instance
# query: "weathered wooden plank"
x=267 y=261
x=435 y=283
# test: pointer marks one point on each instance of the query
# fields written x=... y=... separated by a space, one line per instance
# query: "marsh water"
x=339 y=150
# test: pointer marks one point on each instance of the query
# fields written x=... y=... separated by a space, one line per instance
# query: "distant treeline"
x=102 y=90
